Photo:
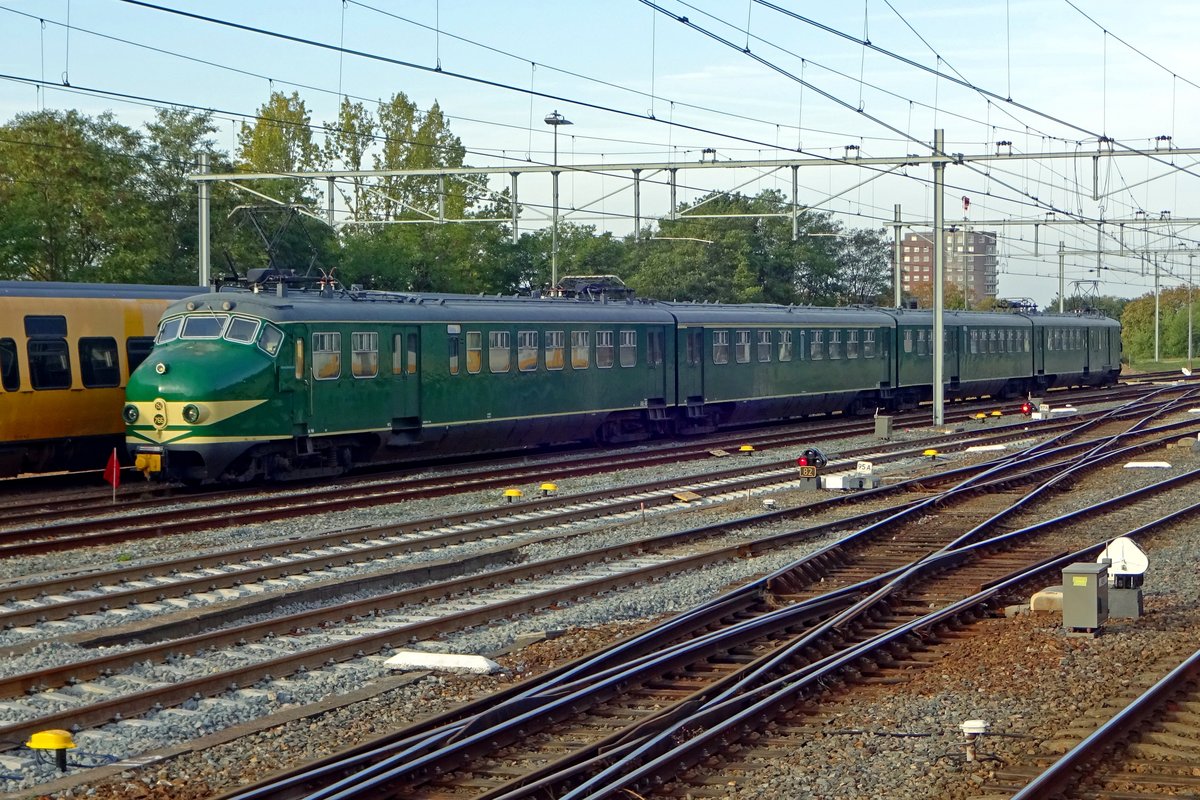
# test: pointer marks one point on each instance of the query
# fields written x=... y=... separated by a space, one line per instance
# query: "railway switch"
x=1085 y=597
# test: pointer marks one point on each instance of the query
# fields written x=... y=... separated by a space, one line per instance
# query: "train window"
x=452 y=354
x=802 y=345
x=720 y=347
x=741 y=350
x=764 y=345
x=527 y=350
x=474 y=352
x=922 y=342
x=364 y=354
x=604 y=349
x=169 y=330
x=499 y=351
x=835 y=344
x=785 y=345
x=327 y=356
x=816 y=345
x=628 y=348
x=581 y=346
x=137 y=348
x=270 y=339
x=908 y=341
x=203 y=326
x=299 y=353
x=52 y=325
x=1026 y=336
x=241 y=329
x=10 y=370
x=49 y=365
x=974 y=339
x=410 y=354
x=851 y=344
x=695 y=347
x=868 y=344
x=554 y=349
x=98 y=364
x=654 y=347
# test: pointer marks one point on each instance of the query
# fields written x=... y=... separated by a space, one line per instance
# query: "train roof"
x=130 y=291
x=769 y=314
x=298 y=306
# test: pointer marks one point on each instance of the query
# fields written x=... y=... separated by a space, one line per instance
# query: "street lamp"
x=554 y=120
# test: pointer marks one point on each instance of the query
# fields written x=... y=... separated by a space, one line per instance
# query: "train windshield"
x=169 y=330
x=203 y=326
x=242 y=329
x=270 y=339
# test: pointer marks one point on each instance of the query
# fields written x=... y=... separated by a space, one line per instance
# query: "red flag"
x=112 y=472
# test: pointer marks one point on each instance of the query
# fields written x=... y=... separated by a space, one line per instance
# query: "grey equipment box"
x=1085 y=597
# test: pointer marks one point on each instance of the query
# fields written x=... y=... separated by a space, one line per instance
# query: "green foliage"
x=1137 y=326
x=85 y=198
x=70 y=208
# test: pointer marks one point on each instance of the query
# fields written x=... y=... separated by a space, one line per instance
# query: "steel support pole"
x=554 y=234
x=329 y=201
x=1156 y=332
x=671 y=176
x=1190 y=287
x=795 y=203
x=516 y=213
x=637 y=205
x=939 y=272
x=202 y=249
x=1061 y=285
x=897 y=277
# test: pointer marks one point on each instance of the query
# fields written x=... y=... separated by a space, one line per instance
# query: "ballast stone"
x=421 y=660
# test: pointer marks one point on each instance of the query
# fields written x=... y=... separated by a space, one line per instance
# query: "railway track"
x=1147 y=749
x=27 y=509
x=403 y=552
x=635 y=724
x=224 y=510
x=591 y=575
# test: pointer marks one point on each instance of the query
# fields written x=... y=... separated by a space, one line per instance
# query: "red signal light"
x=1026 y=408
x=802 y=461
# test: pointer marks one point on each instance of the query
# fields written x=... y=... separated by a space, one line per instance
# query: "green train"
x=276 y=382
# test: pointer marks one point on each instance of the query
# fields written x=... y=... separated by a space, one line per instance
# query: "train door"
x=951 y=349
x=691 y=372
x=406 y=384
x=656 y=361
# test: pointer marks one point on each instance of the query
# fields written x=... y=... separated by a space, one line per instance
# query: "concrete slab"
x=1048 y=599
x=448 y=662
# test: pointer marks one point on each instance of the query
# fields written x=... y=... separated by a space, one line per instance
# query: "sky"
x=750 y=79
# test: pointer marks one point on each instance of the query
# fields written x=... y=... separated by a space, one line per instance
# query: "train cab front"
x=204 y=398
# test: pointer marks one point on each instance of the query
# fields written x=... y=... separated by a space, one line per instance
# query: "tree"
x=347 y=143
x=71 y=203
x=280 y=140
x=420 y=141
x=170 y=147
x=863 y=256
x=952 y=295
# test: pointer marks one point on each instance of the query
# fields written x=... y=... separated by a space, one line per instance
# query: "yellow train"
x=66 y=351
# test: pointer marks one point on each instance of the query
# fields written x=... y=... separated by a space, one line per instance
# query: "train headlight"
x=130 y=413
x=191 y=413
x=160 y=368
